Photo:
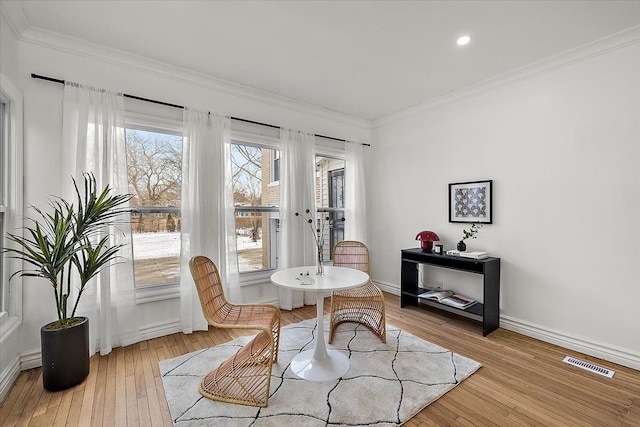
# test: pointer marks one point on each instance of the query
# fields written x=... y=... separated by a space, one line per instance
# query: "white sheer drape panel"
x=355 y=226
x=94 y=141
x=297 y=193
x=208 y=226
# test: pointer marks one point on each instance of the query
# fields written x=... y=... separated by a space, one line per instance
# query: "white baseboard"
x=159 y=329
x=616 y=355
x=31 y=359
x=387 y=287
x=8 y=377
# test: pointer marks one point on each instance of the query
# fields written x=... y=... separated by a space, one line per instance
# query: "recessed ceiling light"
x=463 y=40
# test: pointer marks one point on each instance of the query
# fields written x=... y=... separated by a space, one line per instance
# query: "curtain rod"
x=153 y=101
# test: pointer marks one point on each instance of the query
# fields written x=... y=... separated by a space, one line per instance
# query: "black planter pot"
x=65 y=355
x=462 y=246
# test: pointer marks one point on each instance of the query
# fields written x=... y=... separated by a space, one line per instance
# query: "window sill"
x=147 y=294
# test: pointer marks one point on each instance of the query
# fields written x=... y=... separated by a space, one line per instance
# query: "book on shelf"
x=459 y=301
x=436 y=295
x=448 y=298
x=468 y=254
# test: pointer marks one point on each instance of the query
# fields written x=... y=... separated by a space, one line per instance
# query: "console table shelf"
x=487 y=312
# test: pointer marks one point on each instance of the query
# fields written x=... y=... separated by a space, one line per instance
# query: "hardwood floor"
x=523 y=381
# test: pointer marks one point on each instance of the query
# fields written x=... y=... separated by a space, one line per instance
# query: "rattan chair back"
x=351 y=254
x=364 y=304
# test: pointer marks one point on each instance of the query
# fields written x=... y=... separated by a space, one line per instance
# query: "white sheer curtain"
x=208 y=226
x=355 y=226
x=94 y=141
x=297 y=193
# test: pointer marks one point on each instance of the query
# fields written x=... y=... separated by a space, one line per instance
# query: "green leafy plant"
x=472 y=232
x=70 y=240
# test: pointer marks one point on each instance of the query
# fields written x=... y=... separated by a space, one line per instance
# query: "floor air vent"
x=589 y=366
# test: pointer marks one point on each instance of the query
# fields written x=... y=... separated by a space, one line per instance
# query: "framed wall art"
x=471 y=202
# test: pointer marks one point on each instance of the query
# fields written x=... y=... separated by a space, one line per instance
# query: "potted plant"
x=470 y=234
x=68 y=247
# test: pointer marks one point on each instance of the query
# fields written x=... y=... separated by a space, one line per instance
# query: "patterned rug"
x=387 y=384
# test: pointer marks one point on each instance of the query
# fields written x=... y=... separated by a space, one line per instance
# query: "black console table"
x=488 y=312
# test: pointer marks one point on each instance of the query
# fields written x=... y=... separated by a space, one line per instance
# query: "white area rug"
x=387 y=384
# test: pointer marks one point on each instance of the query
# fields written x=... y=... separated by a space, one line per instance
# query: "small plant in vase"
x=469 y=234
x=320 y=232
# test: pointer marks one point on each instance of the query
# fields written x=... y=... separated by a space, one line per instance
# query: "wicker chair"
x=364 y=304
x=245 y=377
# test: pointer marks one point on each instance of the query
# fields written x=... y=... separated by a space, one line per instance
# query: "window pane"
x=4 y=141
x=330 y=198
x=275 y=165
x=154 y=164
x=256 y=203
x=256 y=235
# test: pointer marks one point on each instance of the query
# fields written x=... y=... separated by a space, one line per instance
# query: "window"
x=275 y=165
x=330 y=198
x=154 y=166
x=10 y=204
x=4 y=142
x=256 y=205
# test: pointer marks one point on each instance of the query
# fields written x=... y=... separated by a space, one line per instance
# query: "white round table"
x=320 y=364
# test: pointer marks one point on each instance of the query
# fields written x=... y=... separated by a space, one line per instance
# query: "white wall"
x=9 y=336
x=89 y=65
x=563 y=150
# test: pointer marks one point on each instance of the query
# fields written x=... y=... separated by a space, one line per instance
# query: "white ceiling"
x=362 y=58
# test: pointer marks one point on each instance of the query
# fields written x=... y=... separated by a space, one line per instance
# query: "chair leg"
x=276 y=340
x=245 y=377
x=370 y=314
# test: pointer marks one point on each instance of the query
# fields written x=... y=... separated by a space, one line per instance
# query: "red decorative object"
x=426 y=239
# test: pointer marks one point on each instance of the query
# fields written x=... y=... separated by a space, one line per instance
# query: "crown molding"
x=14 y=15
x=72 y=45
x=579 y=54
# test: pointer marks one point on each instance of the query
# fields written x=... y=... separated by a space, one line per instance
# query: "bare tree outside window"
x=154 y=166
x=246 y=169
x=256 y=206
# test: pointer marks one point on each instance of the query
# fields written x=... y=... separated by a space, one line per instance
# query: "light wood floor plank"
x=522 y=381
x=62 y=413
x=99 y=399
x=109 y=407
x=120 y=412
x=30 y=405
x=132 y=402
x=11 y=399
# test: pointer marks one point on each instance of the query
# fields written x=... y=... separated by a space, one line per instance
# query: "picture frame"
x=471 y=202
x=438 y=249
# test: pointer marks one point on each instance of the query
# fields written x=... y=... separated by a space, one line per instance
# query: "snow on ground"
x=165 y=244
x=156 y=245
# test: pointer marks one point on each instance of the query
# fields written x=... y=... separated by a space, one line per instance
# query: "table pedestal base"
x=320 y=364
x=307 y=367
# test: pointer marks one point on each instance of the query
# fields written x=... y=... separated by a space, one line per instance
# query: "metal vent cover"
x=589 y=366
